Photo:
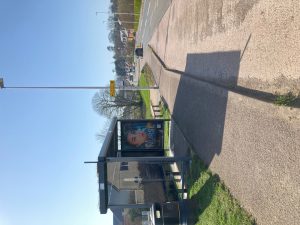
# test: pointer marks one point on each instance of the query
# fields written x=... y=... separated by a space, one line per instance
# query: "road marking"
x=146 y=21
x=142 y=28
x=144 y=9
x=143 y=13
x=149 y=8
x=148 y=13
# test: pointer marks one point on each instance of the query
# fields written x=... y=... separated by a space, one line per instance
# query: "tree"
x=110 y=48
x=109 y=106
x=111 y=22
x=111 y=36
x=102 y=134
x=120 y=66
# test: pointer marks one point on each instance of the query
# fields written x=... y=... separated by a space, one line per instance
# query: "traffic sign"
x=112 y=88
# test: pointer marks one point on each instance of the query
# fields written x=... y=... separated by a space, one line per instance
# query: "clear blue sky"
x=45 y=136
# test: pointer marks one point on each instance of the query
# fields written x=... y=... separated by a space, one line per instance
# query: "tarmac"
x=203 y=54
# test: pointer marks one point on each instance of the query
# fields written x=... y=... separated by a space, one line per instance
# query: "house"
x=123 y=36
x=131 y=34
x=127 y=35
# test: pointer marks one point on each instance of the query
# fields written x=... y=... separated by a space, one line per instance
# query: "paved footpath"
x=211 y=47
x=252 y=43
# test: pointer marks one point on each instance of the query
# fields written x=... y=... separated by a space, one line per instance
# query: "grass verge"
x=144 y=82
x=215 y=205
x=166 y=115
x=137 y=9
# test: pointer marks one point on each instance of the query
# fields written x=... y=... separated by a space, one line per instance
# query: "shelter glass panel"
x=138 y=216
x=140 y=183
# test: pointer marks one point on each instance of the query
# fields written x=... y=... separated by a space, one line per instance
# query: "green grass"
x=147 y=80
x=144 y=82
x=137 y=9
x=285 y=100
x=214 y=201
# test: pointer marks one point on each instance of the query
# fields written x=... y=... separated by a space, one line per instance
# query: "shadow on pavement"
x=200 y=108
x=217 y=67
x=223 y=75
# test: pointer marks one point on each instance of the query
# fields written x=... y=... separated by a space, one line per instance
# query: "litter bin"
x=139 y=52
x=174 y=213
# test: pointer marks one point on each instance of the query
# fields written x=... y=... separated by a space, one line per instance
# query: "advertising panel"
x=138 y=135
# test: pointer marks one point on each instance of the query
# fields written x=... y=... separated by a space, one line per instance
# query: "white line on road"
x=149 y=8
x=146 y=21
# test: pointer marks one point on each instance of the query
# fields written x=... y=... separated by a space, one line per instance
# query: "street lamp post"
x=118 y=13
x=2 y=86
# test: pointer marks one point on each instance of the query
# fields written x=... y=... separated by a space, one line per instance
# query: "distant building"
x=131 y=34
x=127 y=35
x=123 y=36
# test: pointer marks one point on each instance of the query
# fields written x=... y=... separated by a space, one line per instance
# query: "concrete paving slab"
x=253 y=145
x=265 y=33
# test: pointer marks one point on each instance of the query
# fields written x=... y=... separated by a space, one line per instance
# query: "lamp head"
x=1 y=83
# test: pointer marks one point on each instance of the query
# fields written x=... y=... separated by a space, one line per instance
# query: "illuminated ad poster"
x=137 y=135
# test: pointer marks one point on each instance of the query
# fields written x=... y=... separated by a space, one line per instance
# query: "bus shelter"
x=137 y=178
